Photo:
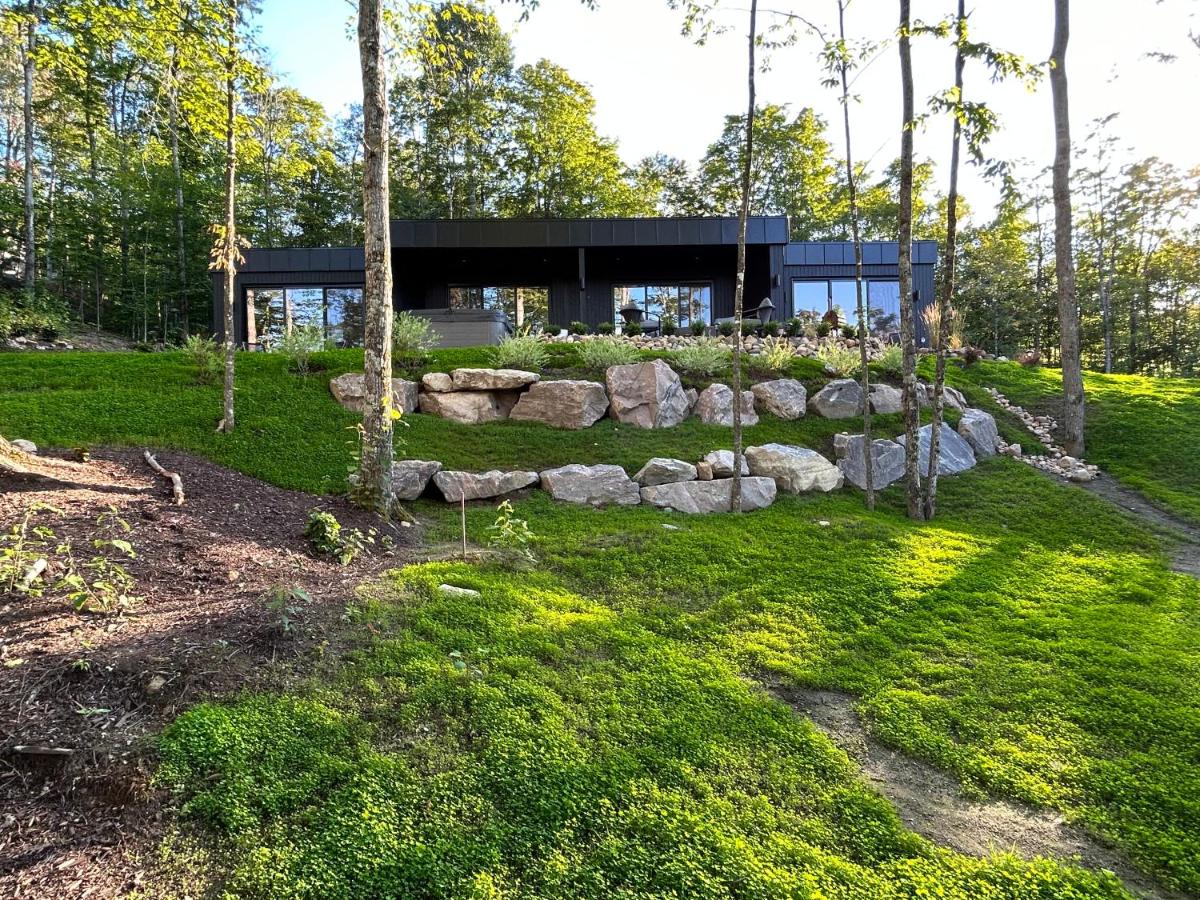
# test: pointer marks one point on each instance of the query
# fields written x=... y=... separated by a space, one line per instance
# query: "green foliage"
x=204 y=354
x=794 y=327
x=823 y=329
x=725 y=329
x=99 y=583
x=842 y=362
x=776 y=356
x=578 y=327
x=632 y=329
x=43 y=318
x=669 y=325
x=702 y=358
x=891 y=360
x=511 y=534
x=697 y=328
x=299 y=344
x=412 y=339
x=598 y=355
x=749 y=327
x=25 y=542
x=519 y=351
x=605 y=328
x=849 y=332
x=286 y=605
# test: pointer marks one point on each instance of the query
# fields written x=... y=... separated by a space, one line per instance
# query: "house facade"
x=545 y=272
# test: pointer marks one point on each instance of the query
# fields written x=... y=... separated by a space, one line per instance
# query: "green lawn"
x=593 y=726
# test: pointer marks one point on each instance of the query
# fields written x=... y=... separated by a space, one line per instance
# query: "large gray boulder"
x=438 y=382
x=886 y=399
x=466 y=407
x=595 y=485
x=663 y=470
x=648 y=395
x=492 y=379
x=887 y=461
x=410 y=477
x=348 y=389
x=720 y=462
x=562 y=404
x=456 y=486
x=978 y=429
x=796 y=470
x=954 y=454
x=710 y=496
x=783 y=397
x=715 y=406
x=840 y=399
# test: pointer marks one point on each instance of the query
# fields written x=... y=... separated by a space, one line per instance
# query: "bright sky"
x=657 y=91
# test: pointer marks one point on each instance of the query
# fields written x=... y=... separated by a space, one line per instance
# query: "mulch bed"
x=85 y=823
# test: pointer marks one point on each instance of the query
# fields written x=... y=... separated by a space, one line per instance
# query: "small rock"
x=155 y=685
x=453 y=590
x=721 y=463
x=27 y=446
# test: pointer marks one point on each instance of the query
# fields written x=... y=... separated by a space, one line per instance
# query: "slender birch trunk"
x=375 y=465
x=231 y=237
x=739 y=291
x=30 y=268
x=1064 y=263
x=908 y=339
x=177 y=175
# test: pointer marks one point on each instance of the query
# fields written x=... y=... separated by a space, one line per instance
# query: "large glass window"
x=336 y=311
x=820 y=295
x=686 y=303
x=524 y=305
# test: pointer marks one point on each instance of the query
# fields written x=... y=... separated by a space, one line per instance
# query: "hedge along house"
x=543 y=272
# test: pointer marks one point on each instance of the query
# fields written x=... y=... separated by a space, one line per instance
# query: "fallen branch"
x=173 y=477
x=32 y=574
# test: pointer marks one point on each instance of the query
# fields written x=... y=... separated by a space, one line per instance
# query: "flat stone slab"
x=721 y=463
x=348 y=389
x=840 y=399
x=410 y=477
x=714 y=406
x=978 y=428
x=456 y=486
x=710 y=496
x=492 y=379
x=795 y=470
x=887 y=461
x=785 y=398
x=648 y=395
x=599 y=485
x=562 y=404
x=465 y=407
x=954 y=454
x=664 y=470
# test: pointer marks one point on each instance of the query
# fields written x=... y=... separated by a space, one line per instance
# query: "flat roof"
x=601 y=232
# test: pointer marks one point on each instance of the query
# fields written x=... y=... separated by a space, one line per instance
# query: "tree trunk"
x=908 y=334
x=946 y=298
x=739 y=291
x=177 y=174
x=863 y=302
x=375 y=465
x=230 y=248
x=30 y=269
x=1064 y=264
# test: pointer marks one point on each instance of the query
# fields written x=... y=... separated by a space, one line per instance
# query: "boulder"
x=886 y=399
x=692 y=396
x=978 y=429
x=27 y=446
x=715 y=406
x=481 y=485
x=349 y=391
x=648 y=395
x=954 y=454
x=840 y=399
x=562 y=404
x=952 y=398
x=491 y=379
x=410 y=477
x=710 y=496
x=721 y=463
x=783 y=397
x=595 y=485
x=704 y=471
x=887 y=461
x=437 y=382
x=663 y=470
x=796 y=470
x=465 y=407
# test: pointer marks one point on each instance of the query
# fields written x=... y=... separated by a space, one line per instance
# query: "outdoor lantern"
x=766 y=310
x=631 y=313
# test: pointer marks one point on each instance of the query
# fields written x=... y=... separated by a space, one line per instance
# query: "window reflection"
x=686 y=303
x=523 y=305
x=336 y=311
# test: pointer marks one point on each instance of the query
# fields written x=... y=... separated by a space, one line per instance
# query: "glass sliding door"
x=810 y=297
x=685 y=303
x=524 y=305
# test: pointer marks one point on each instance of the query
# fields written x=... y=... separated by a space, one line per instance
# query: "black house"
x=554 y=271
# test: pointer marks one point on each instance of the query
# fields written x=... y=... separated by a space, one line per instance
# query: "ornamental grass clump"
x=703 y=358
x=841 y=362
x=776 y=355
x=891 y=360
x=521 y=351
x=603 y=352
x=298 y=346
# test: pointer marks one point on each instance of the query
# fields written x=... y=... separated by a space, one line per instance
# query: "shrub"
x=553 y=329
x=769 y=329
x=522 y=351
x=749 y=327
x=633 y=329
x=299 y=344
x=702 y=359
x=725 y=328
x=669 y=326
x=697 y=328
x=579 y=328
x=841 y=362
x=849 y=331
x=823 y=328
x=512 y=535
x=205 y=356
x=1029 y=358
x=412 y=339
x=605 y=328
x=794 y=326
x=603 y=352
x=776 y=356
x=325 y=534
x=43 y=317
x=971 y=355
x=891 y=360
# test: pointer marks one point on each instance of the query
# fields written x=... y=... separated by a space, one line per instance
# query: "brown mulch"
x=85 y=822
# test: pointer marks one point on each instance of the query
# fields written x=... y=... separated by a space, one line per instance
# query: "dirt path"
x=932 y=804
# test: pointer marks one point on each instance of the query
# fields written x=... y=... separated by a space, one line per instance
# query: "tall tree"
x=31 y=26
x=1064 y=264
x=908 y=335
x=375 y=464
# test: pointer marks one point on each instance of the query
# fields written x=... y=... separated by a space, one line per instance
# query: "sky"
x=657 y=91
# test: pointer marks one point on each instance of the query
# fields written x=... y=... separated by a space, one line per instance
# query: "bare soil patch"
x=932 y=803
x=82 y=823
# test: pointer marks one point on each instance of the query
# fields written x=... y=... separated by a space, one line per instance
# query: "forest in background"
x=128 y=143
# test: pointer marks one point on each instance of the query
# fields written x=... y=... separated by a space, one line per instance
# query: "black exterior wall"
x=579 y=261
